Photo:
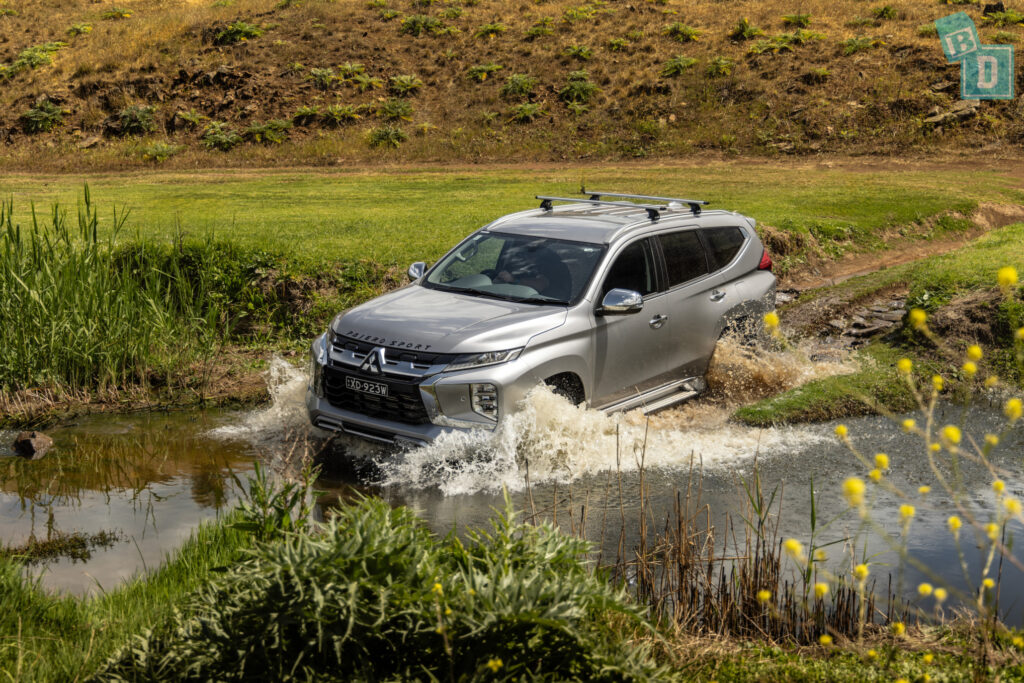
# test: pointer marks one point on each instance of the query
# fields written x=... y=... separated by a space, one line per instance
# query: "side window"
x=633 y=269
x=723 y=245
x=684 y=256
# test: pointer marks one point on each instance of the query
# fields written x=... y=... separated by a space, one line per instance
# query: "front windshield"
x=518 y=268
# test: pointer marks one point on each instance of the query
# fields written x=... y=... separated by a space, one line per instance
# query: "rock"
x=32 y=445
x=940 y=86
x=892 y=316
x=867 y=331
x=90 y=142
x=961 y=111
x=838 y=323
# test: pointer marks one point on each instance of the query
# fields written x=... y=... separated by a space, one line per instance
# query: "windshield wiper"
x=481 y=292
x=539 y=300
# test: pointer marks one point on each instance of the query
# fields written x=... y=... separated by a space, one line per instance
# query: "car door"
x=699 y=293
x=629 y=349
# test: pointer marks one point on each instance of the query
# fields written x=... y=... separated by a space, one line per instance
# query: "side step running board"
x=669 y=401
x=660 y=397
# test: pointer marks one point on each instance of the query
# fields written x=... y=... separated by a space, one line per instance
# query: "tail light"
x=766 y=261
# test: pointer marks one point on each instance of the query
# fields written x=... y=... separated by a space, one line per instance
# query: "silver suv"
x=610 y=302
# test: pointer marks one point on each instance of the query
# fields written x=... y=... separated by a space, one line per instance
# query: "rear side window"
x=633 y=269
x=723 y=245
x=684 y=256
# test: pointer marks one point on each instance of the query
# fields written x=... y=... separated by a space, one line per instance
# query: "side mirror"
x=416 y=270
x=621 y=302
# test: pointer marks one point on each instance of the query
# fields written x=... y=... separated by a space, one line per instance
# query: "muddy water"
x=154 y=477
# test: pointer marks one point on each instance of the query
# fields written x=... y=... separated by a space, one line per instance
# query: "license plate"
x=362 y=385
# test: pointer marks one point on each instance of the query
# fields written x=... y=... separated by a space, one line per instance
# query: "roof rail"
x=694 y=204
x=653 y=212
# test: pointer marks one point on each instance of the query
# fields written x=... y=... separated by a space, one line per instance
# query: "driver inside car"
x=538 y=267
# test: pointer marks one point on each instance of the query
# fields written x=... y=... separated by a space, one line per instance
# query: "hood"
x=418 y=318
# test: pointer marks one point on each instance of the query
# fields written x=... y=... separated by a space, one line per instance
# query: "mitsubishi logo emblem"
x=374 y=362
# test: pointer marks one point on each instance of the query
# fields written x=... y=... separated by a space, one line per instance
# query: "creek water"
x=152 y=478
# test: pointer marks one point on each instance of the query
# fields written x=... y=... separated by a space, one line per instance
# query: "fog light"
x=485 y=400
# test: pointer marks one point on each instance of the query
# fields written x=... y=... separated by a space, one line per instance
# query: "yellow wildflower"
x=908 y=425
x=941 y=595
x=951 y=434
x=853 y=490
x=937 y=382
x=1013 y=409
x=928 y=657
x=447 y=611
x=924 y=590
x=771 y=320
x=991 y=440
x=969 y=369
x=794 y=547
x=861 y=572
x=495 y=664
x=934 y=448
x=898 y=628
x=882 y=461
x=974 y=352
x=906 y=511
x=992 y=531
x=820 y=590
x=924 y=490
x=1018 y=642
x=438 y=588
x=904 y=365
x=999 y=486
x=1019 y=334
x=841 y=431
x=825 y=639
x=918 y=318
x=988 y=583
x=764 y=596
x=991 y=381
x=872 y=654
x=1012 y=506
x=1006 y=277
x=875 y=475
x=954 y=523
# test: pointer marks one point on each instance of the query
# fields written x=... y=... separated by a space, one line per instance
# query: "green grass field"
x=399 y=216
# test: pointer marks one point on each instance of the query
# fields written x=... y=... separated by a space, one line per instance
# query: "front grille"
x=419 y=359
x=402 y=404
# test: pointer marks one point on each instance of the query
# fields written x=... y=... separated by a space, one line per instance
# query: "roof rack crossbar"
x=694 y=204
x=653 y=212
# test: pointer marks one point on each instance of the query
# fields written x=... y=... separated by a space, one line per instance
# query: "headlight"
x=476 y=360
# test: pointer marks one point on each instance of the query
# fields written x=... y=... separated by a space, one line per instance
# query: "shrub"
x=31 y=58
x=364 y=82
x=518 y=86
x=541 y=28
x=884 y=12
x=744 y=30
x=681 y=32
x=388 y=14
x=580 y=52
x=42 y=117
x=375 y=596
x=578 y=89
x=677 y=65
x=418 y=24
x=617 y=44
x=159 y=152
x=137 y=119
x=116 y=13
x=338 y=115
x=321 y=77
x=584 y=12
x=719 y=66
x=350 y=70
x=387 y=136
x=450 y=13
x=854 y=45
x=480 y=72
x=1007 y=18
x=191 y=118
x=490 y=30
x=796 y=20
x=395 y=109
x=1003 y=37
x=305 y=115
x=219 y=135
x=270 y=133
x=237 y=32
x=525 y=113
x=577 y=109
x=79 y=30
x=405 y=85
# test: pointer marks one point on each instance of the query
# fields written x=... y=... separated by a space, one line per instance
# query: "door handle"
x=658 y=320
x=717 y=295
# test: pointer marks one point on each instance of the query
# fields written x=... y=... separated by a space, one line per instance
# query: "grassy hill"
x=88 y=85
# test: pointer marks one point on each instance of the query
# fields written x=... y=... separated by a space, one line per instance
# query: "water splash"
x=550 y=440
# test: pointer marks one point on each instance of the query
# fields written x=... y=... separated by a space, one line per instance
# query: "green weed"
x=928 y=30
x=618 y=44
x=404 y=85
x=237 y=32
x=854 y=45
x=79 y=30
x=418 y=24
x=884 y=12
x=579 y=52
x=677 y=66
x=306 y=115
x=364 y=82
x=525 y=112
x=388 y=14
x=42 y=117
x=480 y=72
x=158 y=152
x=350 y=70
x=220 y=136
x=744 y=30
x=191 y=118
x=1007 y=18
x=796 y=20
x=1003 y=37
x=387 y=136
x=540 y=29
x=395 y=109
x=116 y=13
x=322 y=77
x=518 y=86
x=719 y=66
x=578 y=89
x=31 y=58
x=681 y=32
x=338 y=115
x=270 y=133
x=490 y=30
x=137 y=119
